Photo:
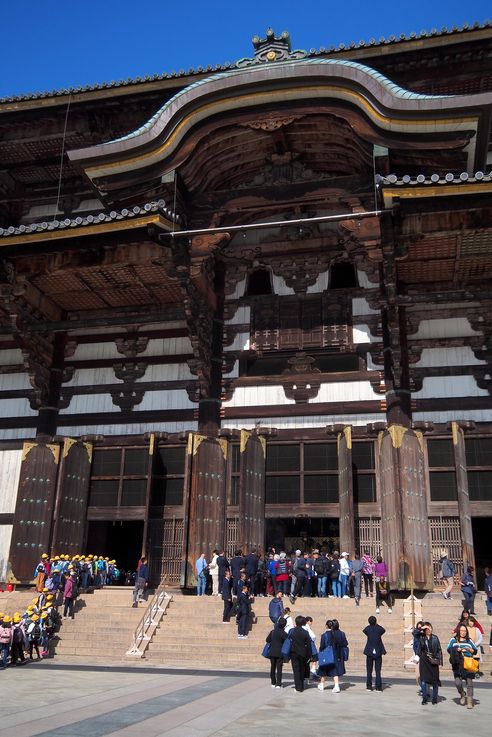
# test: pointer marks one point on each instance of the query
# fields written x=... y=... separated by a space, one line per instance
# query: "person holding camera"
x=429 y=651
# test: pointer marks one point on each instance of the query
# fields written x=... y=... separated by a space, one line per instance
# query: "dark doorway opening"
x=121 y=541
x=292 y=533
x=481 y=527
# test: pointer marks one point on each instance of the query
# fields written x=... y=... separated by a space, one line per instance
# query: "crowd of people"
x=58 y=582
x=302 y=574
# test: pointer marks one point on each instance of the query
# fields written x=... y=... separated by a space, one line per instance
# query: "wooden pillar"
x=345 y=491
x=252 y=492
x=404 y=514
x=208 y=504
x=463 y=496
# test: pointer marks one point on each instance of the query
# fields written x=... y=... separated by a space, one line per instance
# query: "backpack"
x=35 y=634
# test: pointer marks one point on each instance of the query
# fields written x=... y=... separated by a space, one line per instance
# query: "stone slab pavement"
x=65 y=700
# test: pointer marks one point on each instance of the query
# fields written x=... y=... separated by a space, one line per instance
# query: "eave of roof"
x=139 y=82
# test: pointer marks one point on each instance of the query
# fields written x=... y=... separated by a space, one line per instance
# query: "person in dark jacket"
x=243 y=613
x=237 y=564
x=430 y=654
x=223 y=566
x=276 y=607
x=226 y=592
x=334 y=637
x=300 y=653
x=276 y=638
x=374 y=651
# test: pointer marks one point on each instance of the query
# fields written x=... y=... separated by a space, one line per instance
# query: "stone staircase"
x=192 y=634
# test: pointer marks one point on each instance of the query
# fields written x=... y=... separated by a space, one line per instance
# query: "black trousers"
x=299 y=671
x=276 y=665
x=374 y=663
x=226 y=616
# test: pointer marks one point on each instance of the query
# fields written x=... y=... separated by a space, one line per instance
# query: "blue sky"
x=50 y=44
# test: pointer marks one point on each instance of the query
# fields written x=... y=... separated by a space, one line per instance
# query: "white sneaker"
x=336 y=689
x=377 y=611
x=321 y=686
x=390 y=611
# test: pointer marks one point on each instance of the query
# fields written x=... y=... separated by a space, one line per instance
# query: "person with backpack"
x=34 y=634
x=5 y=640
x=447 y=575
x=18 y=641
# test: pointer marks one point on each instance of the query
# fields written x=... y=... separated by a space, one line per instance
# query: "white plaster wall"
x=10 y=464
x=304 y=422
x=457 y=356
x=474 y=415
x=279 y=285
x=254 y=396
x=5 y=538
x=360 y=306
x=242 y=316
x=11 y=357
x=449 y=327
x=449 y=386
x=321 y=284
x=134 y=428
x=346 y=391
x=362 y=334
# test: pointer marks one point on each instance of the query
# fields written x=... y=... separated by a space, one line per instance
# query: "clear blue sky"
x=50 y=44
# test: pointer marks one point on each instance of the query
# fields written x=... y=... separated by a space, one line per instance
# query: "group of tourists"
x=296 y=641
x=301 y=574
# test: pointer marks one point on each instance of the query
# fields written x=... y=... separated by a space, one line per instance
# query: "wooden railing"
x=150 y=621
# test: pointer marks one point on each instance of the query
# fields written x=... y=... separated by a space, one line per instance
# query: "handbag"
x=266 y=650
x=471 y=665
x=286 y=648
x=326 y=656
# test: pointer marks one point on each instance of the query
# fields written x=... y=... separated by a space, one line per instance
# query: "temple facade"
x=251 y=305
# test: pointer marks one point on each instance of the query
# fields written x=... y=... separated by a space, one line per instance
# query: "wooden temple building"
x=251 y=305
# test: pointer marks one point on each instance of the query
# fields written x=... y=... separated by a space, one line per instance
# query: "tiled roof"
x=227 y=66
x=433 y=179
x=79 y=222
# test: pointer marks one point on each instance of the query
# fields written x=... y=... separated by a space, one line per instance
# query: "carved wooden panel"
x=69 y=526
x=34 y=508
x=252 y=491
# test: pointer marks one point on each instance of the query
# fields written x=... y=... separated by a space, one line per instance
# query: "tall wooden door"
x=345 y=491
x=252 y=491
x=34 y=508
x=72 y=497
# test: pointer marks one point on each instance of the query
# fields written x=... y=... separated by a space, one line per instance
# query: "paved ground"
x=57 y=700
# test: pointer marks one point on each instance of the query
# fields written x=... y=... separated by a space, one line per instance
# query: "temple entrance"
x=481 y=527
x=291 y=533
x=119 y=540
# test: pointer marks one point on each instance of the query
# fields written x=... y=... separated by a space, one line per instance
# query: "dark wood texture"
x=34 y=509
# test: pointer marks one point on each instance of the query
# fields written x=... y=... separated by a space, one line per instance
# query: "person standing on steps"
x=141 y=583
x=276 y=638
x=430 y=654
x=226 y=592
x=447 y=575
x=243 y=613
x=374 y=651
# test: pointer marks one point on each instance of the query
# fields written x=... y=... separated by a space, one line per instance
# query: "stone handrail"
x=150 y=621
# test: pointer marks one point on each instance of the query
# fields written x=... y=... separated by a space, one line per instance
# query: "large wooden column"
x=34 y=509
x=345 y=491
x=252 y=491
x=72 y=496
x=463 y=496
x=404 y=516
x=208 y=504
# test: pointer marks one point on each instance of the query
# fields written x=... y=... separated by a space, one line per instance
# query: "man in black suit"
x=374 y=651
x=226 y=592
x=237 y=564
x=223 y=566
x=300 y=652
